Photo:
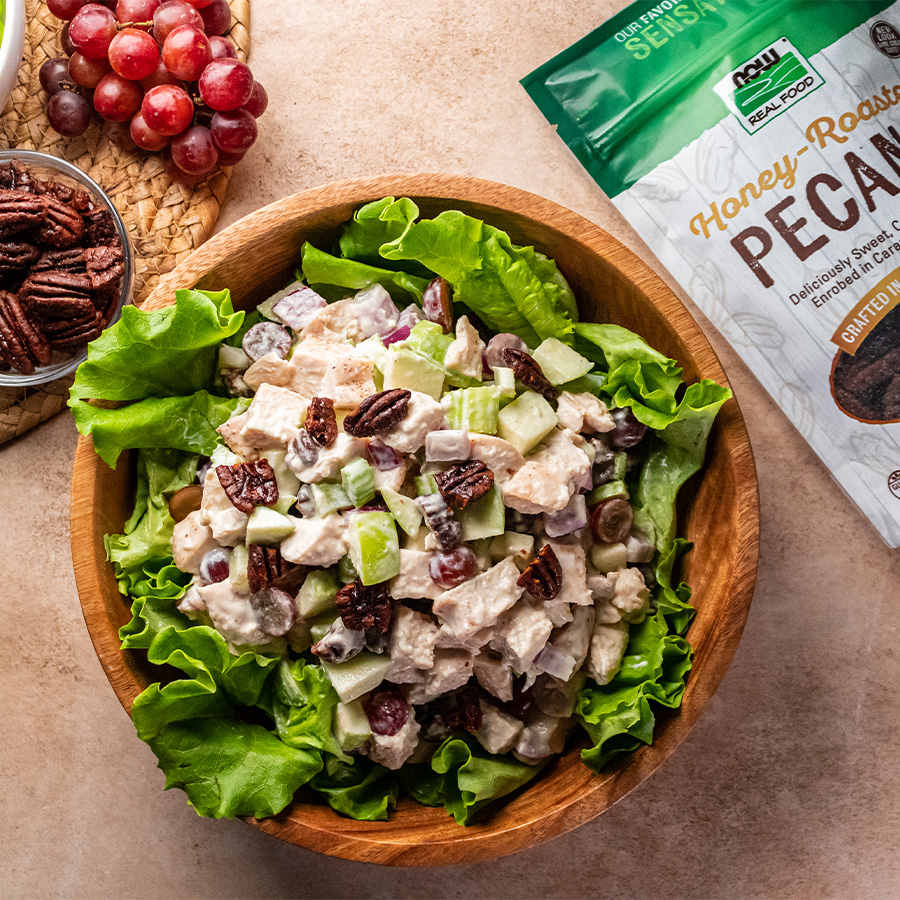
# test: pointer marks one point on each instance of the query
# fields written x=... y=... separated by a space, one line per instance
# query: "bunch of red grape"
x=164 y=67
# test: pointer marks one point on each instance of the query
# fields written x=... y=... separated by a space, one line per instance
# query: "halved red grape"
x=134 y=54
x=186 y=52
x=612 y=520
x=69 y=113
x=87 y=72
x=92 y=31
x=171 y=15
x=235 y=131
x=629 y=432
x=214 y=566
x=116 y=98
x=387 y=711
x=160 y=75
x=54 y=75
x=168 y=110
x=216 y=17
x=194 y=151
x=258 y=102
x=133 y=11
x=145 y=137
x=226 y=84
x=65 y=9
x=222 y=48
x=452 y=568
x=275 y=610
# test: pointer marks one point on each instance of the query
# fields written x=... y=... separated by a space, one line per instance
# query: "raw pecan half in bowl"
x=70 y=262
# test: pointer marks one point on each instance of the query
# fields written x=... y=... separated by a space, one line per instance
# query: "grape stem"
x=121 y=26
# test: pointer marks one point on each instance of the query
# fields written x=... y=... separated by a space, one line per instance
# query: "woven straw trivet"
x=166 y=221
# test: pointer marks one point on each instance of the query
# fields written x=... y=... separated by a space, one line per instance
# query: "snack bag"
x=755 y=146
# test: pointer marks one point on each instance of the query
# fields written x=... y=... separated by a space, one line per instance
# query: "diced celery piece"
x=321 y=625
x=346 y=570
x=609 y=557
x=266 y=526
x=484 y=518
x=329 y=498
x=233 y=358
x=475 y=409
x=284 y=503
x=559 y=362
x=222 y=456
x=405 y=510
x=299 y=637
x=358 y=481
x=372 y=348
x=425 y=484
x=607 y=492
x=592 y=383
x=620 y=466
x=505 y=380
x=519 y=546
x=237 y=568
x=428 y=339
x=288 y=482
x=317 y=594
x=405 y=369
x=351 y=725
x=374 y=546
x=359 y=675
x=527 y=421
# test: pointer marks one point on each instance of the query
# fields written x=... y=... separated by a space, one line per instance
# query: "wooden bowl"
x=718 y=510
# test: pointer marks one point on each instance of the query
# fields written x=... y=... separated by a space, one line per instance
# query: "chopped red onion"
x=384 y=457
x=570 y=518
x=638 y=548
x=587 y=483
x=375 y=311
x=410 y=317
x=449 y=445
x=398 y=334
x=493 y=354
x=298 y=308
x=554 y=662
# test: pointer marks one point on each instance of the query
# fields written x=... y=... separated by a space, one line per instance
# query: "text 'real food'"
x=403 y=527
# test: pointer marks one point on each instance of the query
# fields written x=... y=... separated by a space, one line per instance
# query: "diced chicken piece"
x=391 y=479
x=556 y=698
x=575 y=638
x=631 y=596
x=414 y=581
x=227 y=523
x=451 y=670
x=413 y=636
x=583 y=412
x=425 y=414
x=337 y=321
x=638 y=548
x=554 y=662
x=541 y=737
x=392 y=751
x=191 y=604
x=499 y=731
x=472 y=643
x=498 y=455
x=311 y=360
x=464 y=354
x=606 y=613
x=274 y=417
x=191 y=541
x=573 y=563
x=477 y=603
x=320 y=541
x=231 y=434
x=548 y=479
x=521 y=634
x=602 y=587
x=494 y=676
x=328 y=461
x=608 y=644
x=271 y=369
x=558 y=611
x=232 y=615
x=348 y=381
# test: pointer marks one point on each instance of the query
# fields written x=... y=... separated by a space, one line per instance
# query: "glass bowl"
x=51 y=168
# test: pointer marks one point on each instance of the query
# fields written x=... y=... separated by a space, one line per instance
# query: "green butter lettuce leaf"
x=149 y=616
x=357 y=788
x=179 y=423
x=422 y=783
x=472 y=777
x=163 y=353
x=618 y=717
x=375 y=224
x=321 y=268
x=511 y=288
x=142 y=556
x=231 y=768
x=673 y=601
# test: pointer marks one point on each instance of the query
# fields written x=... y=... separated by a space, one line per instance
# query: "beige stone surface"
x=790 y=785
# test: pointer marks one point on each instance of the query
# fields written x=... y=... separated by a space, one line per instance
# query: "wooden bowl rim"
x=477 y=842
